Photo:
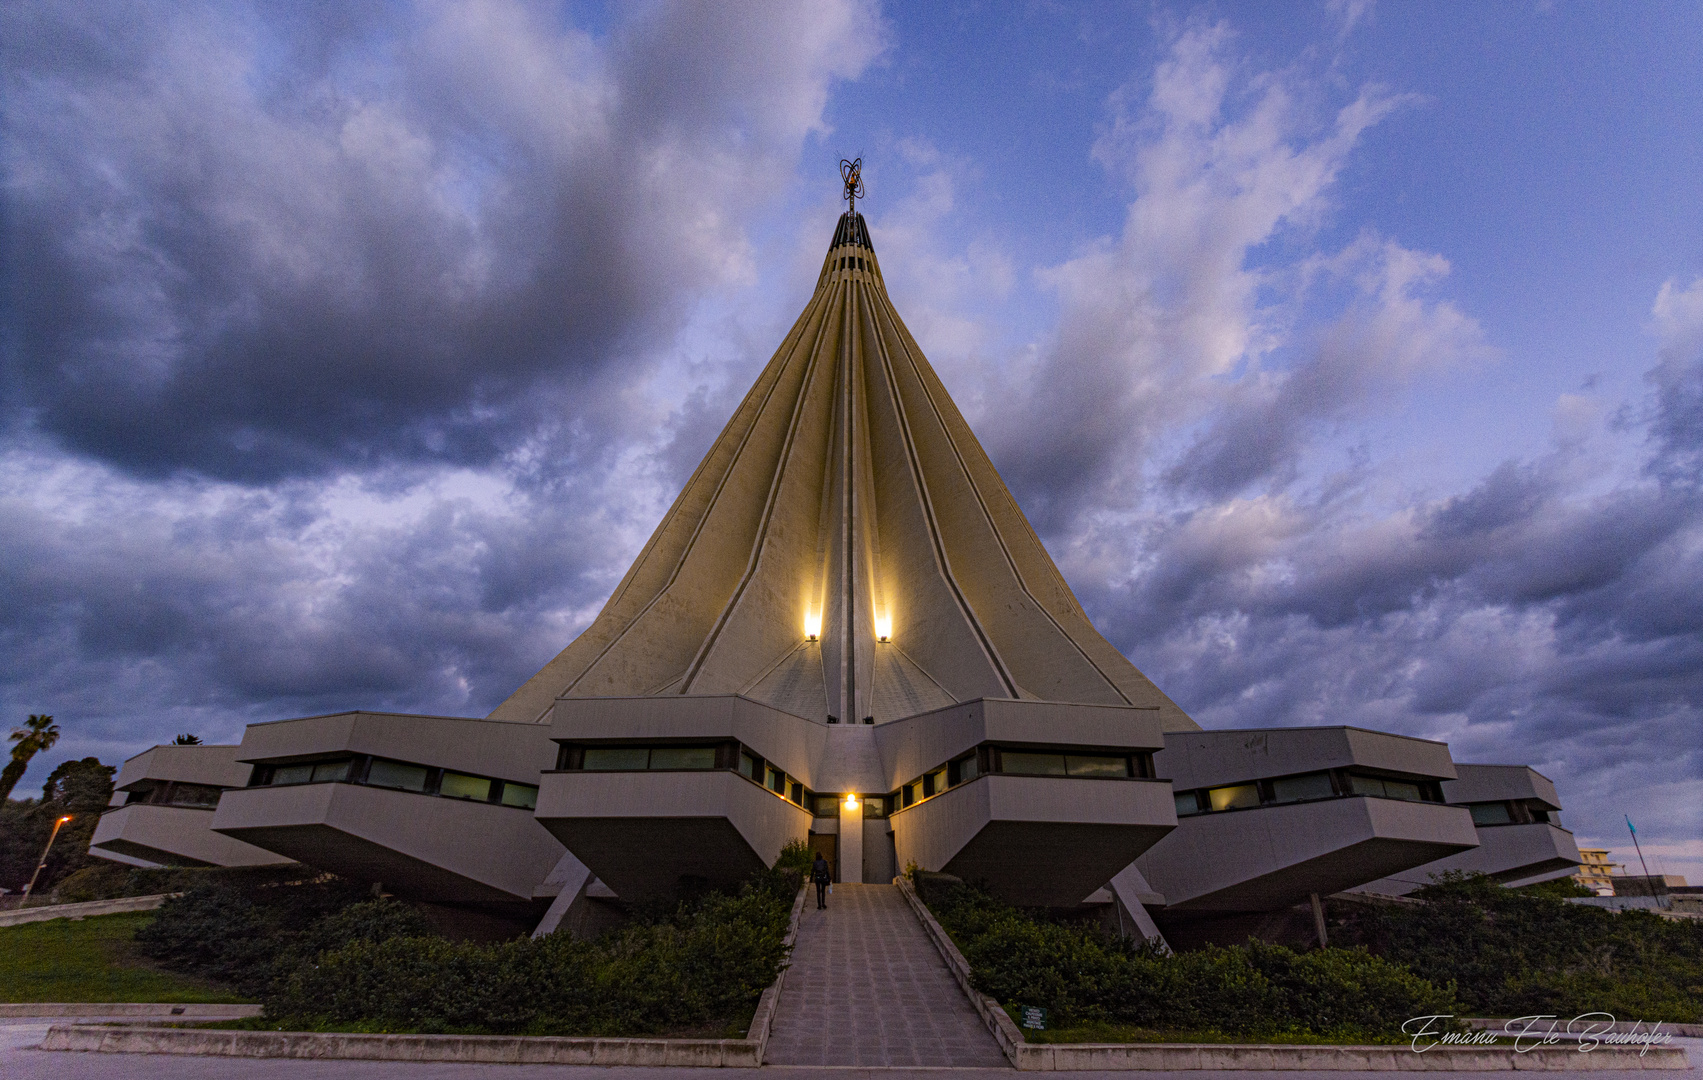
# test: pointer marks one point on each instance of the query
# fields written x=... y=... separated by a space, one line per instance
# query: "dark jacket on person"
x=819 y=871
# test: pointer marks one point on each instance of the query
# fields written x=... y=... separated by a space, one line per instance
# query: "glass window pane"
x=1234 y=798
x=292 y=774
x=1187 y=803
x=1401 y=789
x=682 y=757
x=1491 y=813
x=967 y=770
x=616 y=758
x=1366 y=785
x=330 y=770
x=748 y=766
x=777 y=781
x=1295 y=788
x=394 y=774
x=523 y=795
x=1078 y=765
x=461 y=786
x=196 y=795
x=1033 y=764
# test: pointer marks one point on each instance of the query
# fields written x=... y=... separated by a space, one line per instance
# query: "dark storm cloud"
x=327 y=329
x=252 y=242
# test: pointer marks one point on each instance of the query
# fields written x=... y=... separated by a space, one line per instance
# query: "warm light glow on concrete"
x=813 y=626
x=884 y=628
x=851 y=802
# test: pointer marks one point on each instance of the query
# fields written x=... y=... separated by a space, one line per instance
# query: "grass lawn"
x=90 y=960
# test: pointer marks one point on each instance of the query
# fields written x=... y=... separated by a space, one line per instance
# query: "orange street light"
x=51 y=837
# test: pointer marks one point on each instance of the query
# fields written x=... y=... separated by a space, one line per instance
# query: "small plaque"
x=1034 y=1018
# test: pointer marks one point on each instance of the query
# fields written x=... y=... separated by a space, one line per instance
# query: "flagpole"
x=1640 y=849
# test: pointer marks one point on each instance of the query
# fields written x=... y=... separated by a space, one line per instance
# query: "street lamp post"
x=51 y=837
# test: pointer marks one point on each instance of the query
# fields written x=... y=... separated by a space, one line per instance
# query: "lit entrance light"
x=813 y=626
x=884 y=628
x=851 y=802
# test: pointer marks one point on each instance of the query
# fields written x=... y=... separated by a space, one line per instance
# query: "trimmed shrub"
x=699 y=968
x=1085 y=976
x=1515 y=952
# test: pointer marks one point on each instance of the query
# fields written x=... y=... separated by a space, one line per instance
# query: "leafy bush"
x=246 y=929
x=699 y=968
x=1085 y=976
x=1515 y=952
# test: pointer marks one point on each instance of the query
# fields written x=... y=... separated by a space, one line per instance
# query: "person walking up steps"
x=820 y=875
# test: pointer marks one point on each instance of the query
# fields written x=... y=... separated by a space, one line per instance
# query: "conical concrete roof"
x=846 y=502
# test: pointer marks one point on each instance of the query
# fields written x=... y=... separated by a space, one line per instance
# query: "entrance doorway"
x=826 y=845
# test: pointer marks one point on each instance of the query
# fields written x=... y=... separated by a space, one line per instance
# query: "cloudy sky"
x=1349 y=357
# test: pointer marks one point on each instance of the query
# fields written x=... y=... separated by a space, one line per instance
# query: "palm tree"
x=38 y=733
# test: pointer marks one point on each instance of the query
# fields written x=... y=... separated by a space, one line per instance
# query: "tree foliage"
x=1515 y=952
x=38 y=733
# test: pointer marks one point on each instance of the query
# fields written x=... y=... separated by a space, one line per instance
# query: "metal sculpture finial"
x=852 y=173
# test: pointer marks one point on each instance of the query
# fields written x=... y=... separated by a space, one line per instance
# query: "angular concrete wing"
x=437 y=808
x=1514 y=810
x=163 y=804
x=1266 y=817
x=845 y=550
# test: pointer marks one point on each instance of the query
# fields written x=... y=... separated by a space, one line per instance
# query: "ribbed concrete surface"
x=868 y=988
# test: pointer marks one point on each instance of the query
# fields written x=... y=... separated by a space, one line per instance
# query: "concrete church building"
x=844 y=632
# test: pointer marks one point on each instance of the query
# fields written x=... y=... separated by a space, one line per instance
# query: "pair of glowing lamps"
x=813 y=627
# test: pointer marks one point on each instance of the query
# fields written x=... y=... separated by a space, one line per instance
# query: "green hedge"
x=1085 y=976
x=697 y=970
x=1516 y=952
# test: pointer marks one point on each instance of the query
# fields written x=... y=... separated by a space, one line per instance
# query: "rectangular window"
x=1236 y=797
x=682 y=757
x=966 y=769
x=1366 y=785
x=1297 y=788
x=1187 y=803
x=394 y=774
x=615 y=758
x=797 y=794
x=825 y=806
x=1029 y=764
x=524 y=796
x=750 y=767
x=196 y=795
x=910 y=794
x=1491 y=813
x=928 y=785
x=461 y=786
x=330 y=770
x=292 y=774
x=1104 y=767
x=875 y=807
x=1402 y=789
x=777 y=781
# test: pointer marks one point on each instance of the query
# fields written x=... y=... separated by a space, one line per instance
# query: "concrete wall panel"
x=174 y=836
x=423 y=846
x=640 y=833
x=1271 y=857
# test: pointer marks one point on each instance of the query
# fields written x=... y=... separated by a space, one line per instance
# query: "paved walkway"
x=868 y=988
